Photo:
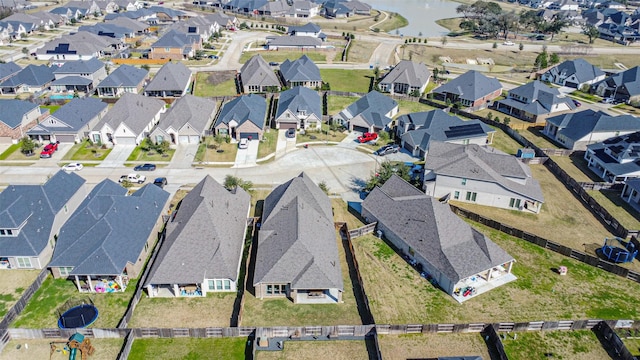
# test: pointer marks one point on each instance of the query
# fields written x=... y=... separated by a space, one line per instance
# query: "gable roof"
x=286 y=40
x=176 y=39
x=189 y=109
x=471 y=86
x=297 y=240
x=109 y=229
x=576 y=126
x=408 y=72
x=107 y=29
x=628 y=79
x=80 y=67
x=483 y=164
x=308 y=27
x=8 y=69
x=618 y=155
x=302 y=69
x=536 y=98
x=136 y=111
x=372 y=108
x=128 y=23
x=250 y=107
x=583 y=70
x=13 y=110
x=81 y=43
x=75 y=114
x=432 y=230
x=205 y=236
x=171 y=76
x=31 y=75
x=124 y=76
x=256 y=71
x=300 y=98
x=37 y=205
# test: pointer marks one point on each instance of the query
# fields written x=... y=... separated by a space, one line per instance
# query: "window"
x=456 y=195
x=276 y=289
x=471 y=196
x=464 y=181
x=211 y=285
x=66 y=210
x=465 y=142
x=218 y=284
x=514 y=203
x=159 y=139
x=9 y=232
x=167 y=49
x=64 y=271
x=2 y=232
x=24 y=262
x=227 y=284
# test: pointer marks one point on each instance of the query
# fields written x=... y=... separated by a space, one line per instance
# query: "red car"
x=48 y=150
x=366 y=137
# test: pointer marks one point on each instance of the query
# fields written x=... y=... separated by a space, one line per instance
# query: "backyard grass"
x=563 y=218
x=106 y=349
x=422 y=346
x=620 y=209
x=542 y=345
x=408 y=106
x=335 y=104
x=341 y=214
x=10 y=150
x=41 y=311
x=86 y=151
x=12 y=285
x=283 y=312
x=360 y=51
x=184 y=312
x=139 y=154
x=312 y=350
x=51 y=108
x=208 y=151
x=216 y=83
x=229 y=348
x=280 y=55
x=347 y=80
x=539 y=293
x=504 y=142
x=633 y=345
x=534 y=134
x=268 y=143
x=576 y=167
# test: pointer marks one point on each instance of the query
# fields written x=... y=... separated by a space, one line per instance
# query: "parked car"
x=291 y=133
x=73 y=167
x=508 y=43
x=134 y=178
x=577 y=103
x=48 y=150
x=161 y=182
x=366 y=137
x=387 y=149
x=243 y=144
x=273 y=63
x=145 y=167
x=608 y=100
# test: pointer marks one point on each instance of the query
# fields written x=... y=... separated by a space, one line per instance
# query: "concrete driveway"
x=247 y=157
x=117 y=156
x=183 y=157
x=57 y=156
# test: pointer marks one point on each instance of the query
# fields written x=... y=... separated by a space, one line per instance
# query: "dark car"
x=291 y=133
x=160 y=182
x=273 y=63
x=145 y=167
x=577 y=103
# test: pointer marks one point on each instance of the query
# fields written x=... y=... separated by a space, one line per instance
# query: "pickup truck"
x=133 y=178
x=48 y=150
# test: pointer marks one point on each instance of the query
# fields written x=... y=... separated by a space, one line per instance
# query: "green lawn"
x=51 y=108
x=268 y=143
x=504 y=142
x=335 y=104
x=576 y=167
x=620 y=209
x=231 y=348
x=347 y=80
x=10 y=150
x=208 y=151
x=280 y=56
x=534 y=345
x=325 y=135
x=407 y=106
x=139 y=154
x=86 y=151
x=217 y=83
x=633 y=345
x=41 y=311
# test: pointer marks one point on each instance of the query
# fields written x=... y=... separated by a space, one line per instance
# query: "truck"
x=133 y=178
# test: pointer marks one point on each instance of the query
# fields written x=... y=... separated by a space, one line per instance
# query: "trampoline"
x=618 y=250
x=79 y=316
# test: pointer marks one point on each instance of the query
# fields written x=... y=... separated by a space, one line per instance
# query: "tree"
x=554 y=59
x=591 y=31
x=556 y=26
x=233 y=182
x=323 y=186
x=384 y=173
x=146 y=67
x=27 y=145
x=162 y=147
x=444 y=40
x=436 y=71
x=25 y=50
x=542 y=60
x=521 y=46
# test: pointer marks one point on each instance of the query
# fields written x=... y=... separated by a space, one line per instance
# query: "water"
x=61 y=97
x=421 y=14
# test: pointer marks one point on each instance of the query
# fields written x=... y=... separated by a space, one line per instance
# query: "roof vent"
x=137 y=207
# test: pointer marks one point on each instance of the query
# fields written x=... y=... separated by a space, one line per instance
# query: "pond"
x=421 y=14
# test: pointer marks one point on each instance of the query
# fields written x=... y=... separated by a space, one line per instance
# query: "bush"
x=27 y=145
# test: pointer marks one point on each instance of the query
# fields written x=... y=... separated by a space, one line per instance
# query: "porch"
x=175 y=290
x=326 y=296
x=101 y=284
x=483 y=282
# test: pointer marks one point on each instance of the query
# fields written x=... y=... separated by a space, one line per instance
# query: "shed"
x=526 y=153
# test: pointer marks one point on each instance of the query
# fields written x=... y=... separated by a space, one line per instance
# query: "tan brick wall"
x=18 y=132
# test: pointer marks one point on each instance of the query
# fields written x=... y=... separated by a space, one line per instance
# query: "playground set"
x=77 y=342
x=619 y=251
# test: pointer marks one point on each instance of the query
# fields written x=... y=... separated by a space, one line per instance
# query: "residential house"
x=246 y=7
x=110 y=30
x=301 y=72
x=623 y=86
x=631 y=193
x=299 y=108
x=167 y=15
x=575 y=131
x=256 y=76
x=293 y=42
x=371 y=113
x=137 y=27
x=534 y=102
x=107 y=240
x=575 y=73
x=223 y=21
x=308 y=29
x=172 y=80
x=31 y=217
x=199 y=25
x=417 y=130
x=564 y=5
x=242 y=117
x=71 y=123
x=616 y=159
x=202 y=248
x=297 y=254
x=186 y=121
x=613 y=5
x=344 y=8
x=86 y=7
x=303 y=9
x=443 y=246
x=129 y=121
x=472 y=90
x=16 y=118
x=175 y=45
x=8 y=70
x=70 y=15
x=78 y=46
x=481 y=175
x=79 y=75
x=31 y=79
x=124 y=79
x=143 y=15
x=407 y=77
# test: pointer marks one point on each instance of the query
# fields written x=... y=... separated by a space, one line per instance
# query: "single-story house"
x=124 y=79
x=107 y=240
x=616 y=159
x=623 y=86
x=78 y=75
x=172 y=80
x=186 y=121
x=242 y=118
x=31 y=217
x=297 y=255
x=202 y=249
x=77 y=46
x=308 y=29
x=480 y=175
x=71 y=123
x=256 y=76
x=293 y=42
x=406 y=77
x=573 y=73
x=447 y=249
x=371 y=113
x=16 y=118
x=472 y=90
x=176 y=45
x=299 y=108
x=534 y=102
x=300 y=72
x=31 y=79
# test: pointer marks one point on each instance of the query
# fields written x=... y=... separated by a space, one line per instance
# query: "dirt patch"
x=106 y=349
x=15 y=281
x=218 y=77
x=337 y=350
x=432 y=346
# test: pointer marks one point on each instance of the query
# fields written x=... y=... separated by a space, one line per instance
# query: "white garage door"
x=194 y=139
x=66 y=138
x=183 y=139
x=122 y=140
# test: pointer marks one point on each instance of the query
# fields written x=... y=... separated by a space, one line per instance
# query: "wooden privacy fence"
x=367 y=229
x=611 y=340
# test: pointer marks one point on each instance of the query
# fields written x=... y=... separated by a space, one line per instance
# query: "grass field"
x=408 y=106
x=341 y=214
x=542 y=345
x=534 y=135
x=360 y=51
x=207 y=153
x=230 y=348
x=633 y=345
x=325 y=135
x=347 y=80
x=504 y=142
x=335 y=104
x=138 y=154
x=268 y=144
x=312 y=350
x=422 y=346
x=576 y=167
x=86 y=151
x=51 y=108
x=10 y=150
x=106 y=349
x=216 y=83
x=12 y=285
x=620 y=209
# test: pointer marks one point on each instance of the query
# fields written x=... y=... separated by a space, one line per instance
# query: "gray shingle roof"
x=300 y=98
x=629 y=80
x=257 y=72
x=483 y=164
x=619 y=155
x=173 y=39
x=297 y=240
x=430 y=228
x=577 y=125
x=125 y=76
x=128 y=23
x=31 y=75
x=76 y=114
x=205 y=237
x=244 y=108
x=472 y=85
x=37 y=205
x=195 y=111
x=171 y=76
x=81 y=43
x=303 y=69
x=110 y=30
x=8 y=69
x=286 y=40
x=72 y=81
x=308 y=27
x=582 y=69
x=109 y=229
x=536 y=98
x=372 y=108
x=408 y=72
x=136 y=111
x=12 y=111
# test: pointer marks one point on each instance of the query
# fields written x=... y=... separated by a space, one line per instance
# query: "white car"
x=243 y=144
x=72 y=167
x=508 y=43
